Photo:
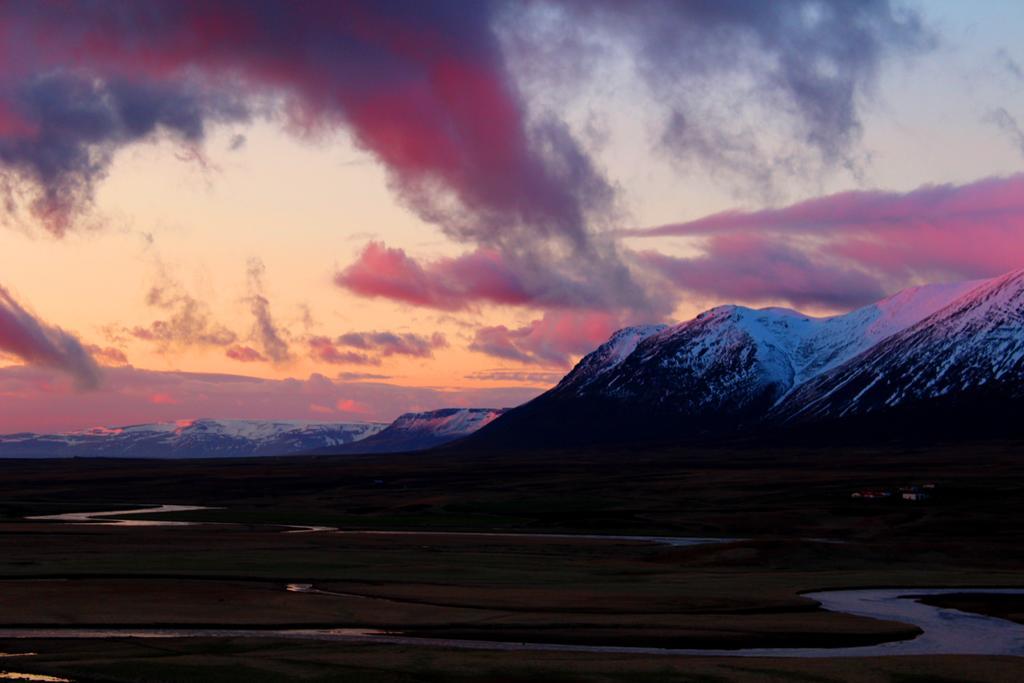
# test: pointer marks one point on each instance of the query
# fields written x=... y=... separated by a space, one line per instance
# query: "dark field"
x=745 y=593
x=1003 y=606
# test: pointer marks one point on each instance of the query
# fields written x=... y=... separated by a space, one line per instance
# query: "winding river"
x=116 y=517
x=20 y=676
x=945 y=631
x=121 y=518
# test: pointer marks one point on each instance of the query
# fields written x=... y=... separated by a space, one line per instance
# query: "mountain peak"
x=733 y=367
x=608 y=356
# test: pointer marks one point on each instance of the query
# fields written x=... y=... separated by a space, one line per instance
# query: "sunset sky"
x=349 y=210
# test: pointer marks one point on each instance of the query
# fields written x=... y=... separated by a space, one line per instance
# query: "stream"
x=945 y=631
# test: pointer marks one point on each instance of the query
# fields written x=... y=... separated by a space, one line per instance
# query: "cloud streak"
x=849 y=248
x=370 y=348
x=491 y=277
x=244 y=354
x=1007 y=123
x=39 y=344
x=763 y=270
x=394 y=344
x=446 y=284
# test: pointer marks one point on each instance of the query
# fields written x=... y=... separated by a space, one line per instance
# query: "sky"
x=344 y=211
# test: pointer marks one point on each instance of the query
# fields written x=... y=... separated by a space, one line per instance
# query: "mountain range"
x=420 y=431
x=206 y=438
x=201 y=438
x=929 y=357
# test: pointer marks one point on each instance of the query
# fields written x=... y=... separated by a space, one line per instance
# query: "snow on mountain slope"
x=447 y=421
x=974 y=343
x=607 y=356
x=731 y=358
x=419 y=431
x=190 y=439
x=722 y=371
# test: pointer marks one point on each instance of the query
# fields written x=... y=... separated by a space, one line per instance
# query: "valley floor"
x=800 y=531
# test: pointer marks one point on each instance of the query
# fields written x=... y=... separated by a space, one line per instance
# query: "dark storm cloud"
x=63 y=129
x=426 y=88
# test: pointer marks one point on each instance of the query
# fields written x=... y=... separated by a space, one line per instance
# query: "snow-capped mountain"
x=606 y=357
x=733 y=368
x=190 y=439
x=419 y=431
x=973 y=347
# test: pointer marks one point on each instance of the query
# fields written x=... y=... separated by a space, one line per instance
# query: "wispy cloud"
x=188 y=320
x=266 y=333
x=525 y=376
x=244 y=354
x=369 y=348
x=1009 y=126
x=107 y=355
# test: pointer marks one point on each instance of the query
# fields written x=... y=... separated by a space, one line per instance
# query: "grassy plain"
x=788 y=508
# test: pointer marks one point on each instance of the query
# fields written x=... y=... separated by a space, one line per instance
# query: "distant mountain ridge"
x=734 y=369
x=203 y=438
x=420 y=431
x=208 y=438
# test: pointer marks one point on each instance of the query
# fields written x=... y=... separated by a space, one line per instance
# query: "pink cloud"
x=990 y=200
x=757 y=269
x=551 y=341
x=348 y=405
x=424 y=89
x=14 y=124
x=487 y=276
x=447 y=284
x=850 y=248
